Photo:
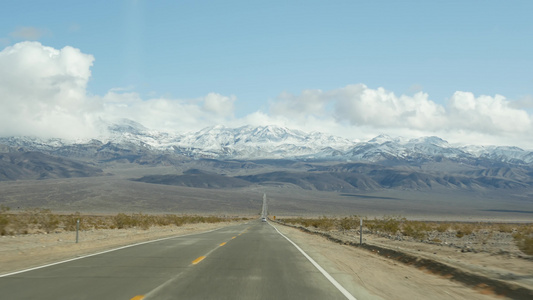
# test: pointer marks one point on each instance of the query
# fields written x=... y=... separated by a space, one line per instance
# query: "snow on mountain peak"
x=430 y=140
x=249 y=142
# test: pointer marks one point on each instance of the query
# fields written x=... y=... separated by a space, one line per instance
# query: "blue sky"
x=262 y=55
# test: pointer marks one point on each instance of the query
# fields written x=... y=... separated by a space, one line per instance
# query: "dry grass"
x=420 y=230
x=524 y=238
x=45 y=221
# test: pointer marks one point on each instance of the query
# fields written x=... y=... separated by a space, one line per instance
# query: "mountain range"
x=130 y=141
x=221 y=157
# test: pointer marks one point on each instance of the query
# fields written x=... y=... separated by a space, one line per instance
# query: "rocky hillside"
x=17 y=165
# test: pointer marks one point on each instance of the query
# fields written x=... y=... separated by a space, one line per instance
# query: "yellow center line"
x=199 y=259
x=233 y=237
x=223 y=244
x=138 y=297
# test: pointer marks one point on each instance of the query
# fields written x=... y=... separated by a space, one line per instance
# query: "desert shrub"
x=387 y=224
x=415 y=229
x=390 y=225
x=69 y=222
x=293 y=221
x=322 y=223
x=43 y=219
x=506 y=228
x=144 y=221
x=49 y=222
x=325 y=223
x=38 y=218
x=524 y=242
x=523 y=238
x=309 y=222
x=442 y=227
x=192 y=219
x=176 y=220
x=122 y=220
x=213 y=219
x=348 y=223
x=464 y=229
x=4 y=219
x=299 y=221
x=526 y=245
x=370 y=224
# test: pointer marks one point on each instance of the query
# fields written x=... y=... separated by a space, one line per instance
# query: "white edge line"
x=326 y=274
x=98 y=253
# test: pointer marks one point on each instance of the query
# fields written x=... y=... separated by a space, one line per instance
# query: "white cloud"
x=310 y=102
x=359 y=112
x=43 y=93
x=170 y=114
x=486 y=114
x=380 y=108
x=360 y=106
x=218 y=105
x=525 y=103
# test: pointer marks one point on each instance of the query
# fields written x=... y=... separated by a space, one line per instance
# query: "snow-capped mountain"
x=132 y=140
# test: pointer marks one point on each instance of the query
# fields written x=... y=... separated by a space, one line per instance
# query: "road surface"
x=247 y=261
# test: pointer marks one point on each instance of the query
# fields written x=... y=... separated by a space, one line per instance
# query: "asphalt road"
x=248 y=261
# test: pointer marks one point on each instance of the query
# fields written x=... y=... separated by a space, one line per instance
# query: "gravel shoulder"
x=506 y=265
x=368 y=275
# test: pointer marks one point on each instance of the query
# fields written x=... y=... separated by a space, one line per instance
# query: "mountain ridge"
x=221 y=157
x=130 y=140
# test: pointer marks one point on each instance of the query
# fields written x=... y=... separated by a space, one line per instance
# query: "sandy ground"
x=26 y=251
x=505 y=263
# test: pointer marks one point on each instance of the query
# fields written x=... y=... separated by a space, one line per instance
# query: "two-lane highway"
x=248 y=261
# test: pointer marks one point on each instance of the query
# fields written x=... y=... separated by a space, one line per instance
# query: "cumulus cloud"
x=486 y=114
x=218 y=105
x=380 y=108
x=43 y=92
x=359 y=105
x=169 y=114
x=525 y=102
x=310 y=102
x=465 y=118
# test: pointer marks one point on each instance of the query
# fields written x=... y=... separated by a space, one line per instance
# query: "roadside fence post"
x=77 y=229
x=361 y=232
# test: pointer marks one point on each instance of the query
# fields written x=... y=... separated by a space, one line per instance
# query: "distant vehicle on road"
x=263 y=219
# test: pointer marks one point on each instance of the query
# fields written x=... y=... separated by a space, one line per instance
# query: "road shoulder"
x=369 y=276
x=33 y=250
